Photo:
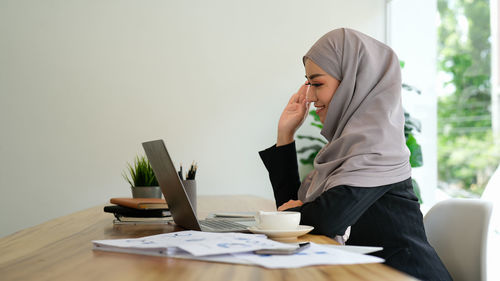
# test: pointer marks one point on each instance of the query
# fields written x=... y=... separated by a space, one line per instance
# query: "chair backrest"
x=492 y=193
x=458 y=231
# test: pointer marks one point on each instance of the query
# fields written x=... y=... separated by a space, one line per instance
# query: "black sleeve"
x=338 y=208
x=281 y=163
x=334 y=210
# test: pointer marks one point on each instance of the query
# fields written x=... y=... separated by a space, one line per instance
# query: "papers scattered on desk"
x=231 y=248
x=316 y=254
x=196 y=243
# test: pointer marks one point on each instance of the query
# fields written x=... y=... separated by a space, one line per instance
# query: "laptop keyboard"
x=222 y=225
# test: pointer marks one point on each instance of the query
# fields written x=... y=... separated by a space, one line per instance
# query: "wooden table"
x=61 y=249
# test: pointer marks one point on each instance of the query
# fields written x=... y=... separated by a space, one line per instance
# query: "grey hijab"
x=364 y=124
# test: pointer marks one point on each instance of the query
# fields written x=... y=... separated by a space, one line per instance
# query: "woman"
x=362 y=178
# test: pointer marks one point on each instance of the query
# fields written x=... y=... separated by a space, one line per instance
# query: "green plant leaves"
x=141 y=173
x=416 y=189
x=411 y=124
x=317 y=125
x=416 y=159
x=314 y=147
x=310 y=159
x=318 y=142
x=315 y=116
x=411 y=88
x=300 y=137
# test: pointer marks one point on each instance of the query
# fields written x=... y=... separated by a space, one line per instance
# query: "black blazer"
x=385 y=216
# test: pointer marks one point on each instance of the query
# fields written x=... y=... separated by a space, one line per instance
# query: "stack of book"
x=139 y=211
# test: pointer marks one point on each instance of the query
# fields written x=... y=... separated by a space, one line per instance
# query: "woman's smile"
x=319 y=108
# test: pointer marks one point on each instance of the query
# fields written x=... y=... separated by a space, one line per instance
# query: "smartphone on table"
x=300 y=247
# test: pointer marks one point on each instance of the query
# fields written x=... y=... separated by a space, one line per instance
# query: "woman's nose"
x=310 y=94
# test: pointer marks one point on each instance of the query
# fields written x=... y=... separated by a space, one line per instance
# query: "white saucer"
x=282 y=234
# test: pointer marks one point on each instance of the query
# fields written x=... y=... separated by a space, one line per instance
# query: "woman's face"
x=322 y=89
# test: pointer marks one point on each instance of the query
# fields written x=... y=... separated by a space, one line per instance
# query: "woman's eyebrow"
x=312 y=76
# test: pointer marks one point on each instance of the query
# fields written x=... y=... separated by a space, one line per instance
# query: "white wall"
x=83 y=83
x=412 y=34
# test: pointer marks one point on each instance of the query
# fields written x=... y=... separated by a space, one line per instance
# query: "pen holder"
x=190 y=188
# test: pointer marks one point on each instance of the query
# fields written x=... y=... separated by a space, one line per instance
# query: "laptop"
x=178 y=202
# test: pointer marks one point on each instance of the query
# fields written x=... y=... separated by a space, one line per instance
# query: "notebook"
x=141 y=203
x=178 y=202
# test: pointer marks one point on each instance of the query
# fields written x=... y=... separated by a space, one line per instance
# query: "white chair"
x=458 y=231
x=492 y=193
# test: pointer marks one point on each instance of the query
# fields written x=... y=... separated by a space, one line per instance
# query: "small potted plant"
x=142 y=179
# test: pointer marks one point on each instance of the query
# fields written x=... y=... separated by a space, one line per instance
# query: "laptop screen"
x=171 y=185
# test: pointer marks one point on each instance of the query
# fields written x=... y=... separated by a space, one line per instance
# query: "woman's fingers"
x=290 y=204
x=292 y=116
x=303 y=93
x=293 y=99
x=303 y=100
x=300 y=96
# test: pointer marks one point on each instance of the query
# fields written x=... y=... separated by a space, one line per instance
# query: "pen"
x=191 y=174
x=180 y=172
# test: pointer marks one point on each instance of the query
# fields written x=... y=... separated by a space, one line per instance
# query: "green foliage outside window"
x=467 y=154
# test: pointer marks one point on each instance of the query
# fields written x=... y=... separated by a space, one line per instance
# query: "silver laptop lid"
x=171 y=185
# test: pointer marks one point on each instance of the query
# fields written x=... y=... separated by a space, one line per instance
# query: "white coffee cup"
x=285 y=220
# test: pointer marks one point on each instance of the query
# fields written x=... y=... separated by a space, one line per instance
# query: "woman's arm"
x=281 y=159
x=338 y=208
x=334 y=210
x=281 y=163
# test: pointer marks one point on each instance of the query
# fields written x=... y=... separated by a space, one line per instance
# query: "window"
x=467 y=153
x=411 y=32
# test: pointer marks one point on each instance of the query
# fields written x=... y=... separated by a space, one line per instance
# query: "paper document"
x=196 y=243
x=316 y=254
x=231 y=248
x=356 y=249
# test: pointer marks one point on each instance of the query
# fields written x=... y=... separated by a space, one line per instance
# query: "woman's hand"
x=293 y=116
x=290 y=204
